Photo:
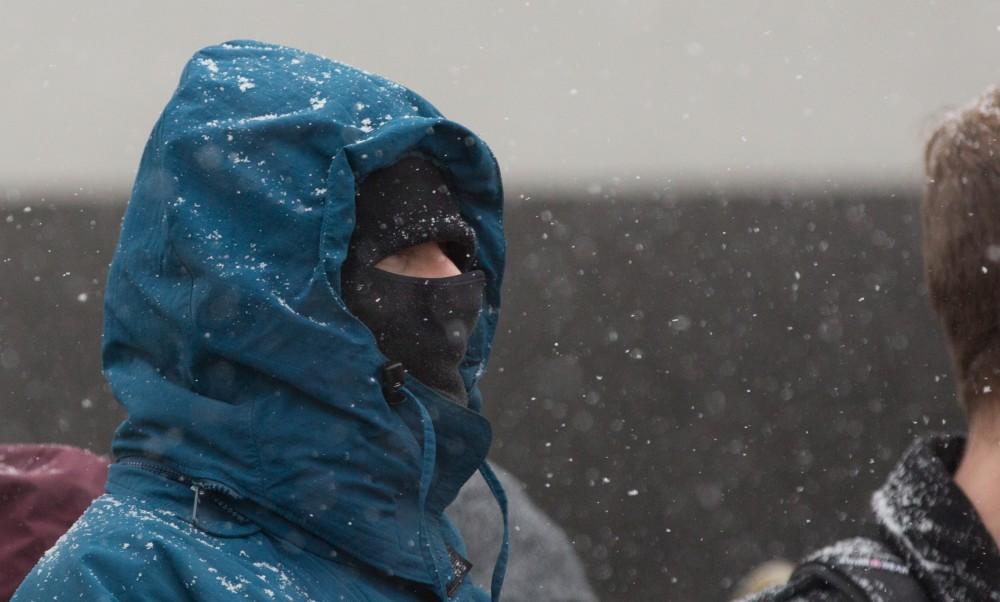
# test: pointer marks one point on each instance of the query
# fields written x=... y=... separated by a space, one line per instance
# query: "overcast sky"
x=567 y=93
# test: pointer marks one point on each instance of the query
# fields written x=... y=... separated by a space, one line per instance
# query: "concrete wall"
x=688 y=384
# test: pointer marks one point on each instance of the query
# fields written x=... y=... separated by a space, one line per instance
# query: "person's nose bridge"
x=436 y=252
x=429 y=259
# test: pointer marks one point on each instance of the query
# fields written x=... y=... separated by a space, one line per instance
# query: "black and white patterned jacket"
x=931 y=544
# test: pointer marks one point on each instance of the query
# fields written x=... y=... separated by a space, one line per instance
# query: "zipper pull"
x=196 y=488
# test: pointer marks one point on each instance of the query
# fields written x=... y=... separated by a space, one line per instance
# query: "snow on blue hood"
x=225 y=335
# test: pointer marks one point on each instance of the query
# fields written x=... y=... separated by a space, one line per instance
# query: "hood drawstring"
x=500 y=568
x=496 y=488
x=429 y=460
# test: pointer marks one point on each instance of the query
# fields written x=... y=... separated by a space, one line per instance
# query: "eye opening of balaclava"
x=423 y=323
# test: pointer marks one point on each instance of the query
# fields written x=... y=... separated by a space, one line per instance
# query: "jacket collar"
x=927 y=518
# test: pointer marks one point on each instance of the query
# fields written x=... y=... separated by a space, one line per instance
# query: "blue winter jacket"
x=260 y=459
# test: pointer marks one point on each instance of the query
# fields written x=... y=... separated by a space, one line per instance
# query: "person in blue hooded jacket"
x=300 y=306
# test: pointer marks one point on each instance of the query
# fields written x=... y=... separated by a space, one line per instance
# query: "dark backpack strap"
x=809 y=579
x=860 y=570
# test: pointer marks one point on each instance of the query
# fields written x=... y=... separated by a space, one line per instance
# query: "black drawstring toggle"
x=393 y=378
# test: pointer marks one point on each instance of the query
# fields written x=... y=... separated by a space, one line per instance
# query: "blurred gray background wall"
x=715 y=340
x=668 y=91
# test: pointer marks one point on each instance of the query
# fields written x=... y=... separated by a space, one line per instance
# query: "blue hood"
x=225 y=335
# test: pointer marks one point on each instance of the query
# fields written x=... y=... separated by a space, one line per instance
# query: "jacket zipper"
x=197 y=486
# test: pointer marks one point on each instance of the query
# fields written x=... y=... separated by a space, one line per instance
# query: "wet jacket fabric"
x=44 y=488
x=931 y=529
x=258 y=432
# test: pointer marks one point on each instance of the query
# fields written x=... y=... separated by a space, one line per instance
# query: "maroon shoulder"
x=44 y=488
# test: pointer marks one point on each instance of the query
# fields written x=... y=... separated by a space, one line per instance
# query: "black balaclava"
x=423 y=323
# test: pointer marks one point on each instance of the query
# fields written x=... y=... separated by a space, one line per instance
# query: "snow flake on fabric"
x=151 y=537
x=932 y=523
